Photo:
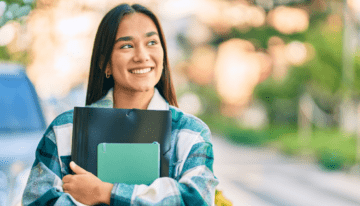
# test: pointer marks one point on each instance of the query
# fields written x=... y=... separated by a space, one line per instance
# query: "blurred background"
x=277 y=82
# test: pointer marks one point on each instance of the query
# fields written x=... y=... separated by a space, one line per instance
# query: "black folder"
x=93 y=125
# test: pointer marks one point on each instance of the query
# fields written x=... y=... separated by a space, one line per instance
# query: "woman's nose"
x=141 y=54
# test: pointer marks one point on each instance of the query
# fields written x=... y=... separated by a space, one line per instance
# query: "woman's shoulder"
x=185 y=121
x=60 y=122
x=63 y=118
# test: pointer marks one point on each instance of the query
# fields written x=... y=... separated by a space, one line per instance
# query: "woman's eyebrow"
x=151 y=33
x=129 y=38
x=124 y=38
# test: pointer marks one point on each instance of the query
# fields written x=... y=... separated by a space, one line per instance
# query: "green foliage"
x=222 y=125
x=334 y=150
x=258 y=36
x=326 y=67
x=20 y=57
x=15 y=9
x=246 y=136
x=209 y=98
x=229 y=128
x=4 y=55
x=321 y=77
x=281 y=97
x=331 y=160
x=278 y=131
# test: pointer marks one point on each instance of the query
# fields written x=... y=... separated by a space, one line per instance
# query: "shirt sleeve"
x=193 y=183
x=44 y=186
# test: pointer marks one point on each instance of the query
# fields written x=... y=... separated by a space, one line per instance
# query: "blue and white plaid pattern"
x=191 y=180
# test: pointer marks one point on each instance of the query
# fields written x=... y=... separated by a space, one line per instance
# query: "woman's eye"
x=153 y=42
x=126 y=46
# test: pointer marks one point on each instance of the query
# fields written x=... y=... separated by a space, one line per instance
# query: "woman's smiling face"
x=137 y=58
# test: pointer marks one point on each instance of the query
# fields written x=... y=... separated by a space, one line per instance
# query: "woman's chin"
x=137 y=89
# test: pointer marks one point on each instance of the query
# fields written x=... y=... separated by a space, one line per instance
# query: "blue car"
x=22 y=125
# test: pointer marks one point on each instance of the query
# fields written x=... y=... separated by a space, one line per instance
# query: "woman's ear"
x=108 y=72
x=107 y=68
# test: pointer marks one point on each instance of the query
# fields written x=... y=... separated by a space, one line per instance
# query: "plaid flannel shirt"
x=191 y=180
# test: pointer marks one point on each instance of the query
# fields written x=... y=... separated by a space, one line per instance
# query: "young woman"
x=129 y=69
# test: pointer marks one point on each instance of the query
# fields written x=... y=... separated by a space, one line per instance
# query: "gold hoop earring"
x=107 y=75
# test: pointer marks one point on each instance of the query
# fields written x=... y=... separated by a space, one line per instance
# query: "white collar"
x=157 y=102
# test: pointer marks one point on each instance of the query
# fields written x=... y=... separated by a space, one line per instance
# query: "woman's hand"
x=86 y=187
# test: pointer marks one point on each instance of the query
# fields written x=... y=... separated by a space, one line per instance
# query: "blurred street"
x=261 y=177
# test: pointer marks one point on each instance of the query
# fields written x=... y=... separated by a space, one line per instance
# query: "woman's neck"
x=127 y=99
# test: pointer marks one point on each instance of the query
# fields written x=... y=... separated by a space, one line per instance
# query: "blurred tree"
x=14 y=10
x=321 y=77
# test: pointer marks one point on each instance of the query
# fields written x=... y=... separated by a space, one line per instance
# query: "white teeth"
x=141 y=71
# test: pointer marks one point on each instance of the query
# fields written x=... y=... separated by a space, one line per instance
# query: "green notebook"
x=130 y=163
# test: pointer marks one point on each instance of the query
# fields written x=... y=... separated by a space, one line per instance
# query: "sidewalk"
x=260 y=176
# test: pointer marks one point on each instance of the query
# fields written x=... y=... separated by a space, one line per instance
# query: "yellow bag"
x=220 y=200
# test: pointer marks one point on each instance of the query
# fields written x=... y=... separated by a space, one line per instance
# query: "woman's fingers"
x=65 y=187
x=77 y=169
x=67 y=178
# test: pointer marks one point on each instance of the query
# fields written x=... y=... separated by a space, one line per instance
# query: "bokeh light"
x=237 y=71
x=354 y=5
x=2 y=7
x=201 y=66
x=198 y=33
x=8 y=33
x=296 y=52
x=289 y=20
x=190 y=103
x=276 y=49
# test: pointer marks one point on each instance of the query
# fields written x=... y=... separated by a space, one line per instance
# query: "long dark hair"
x=104 y=42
